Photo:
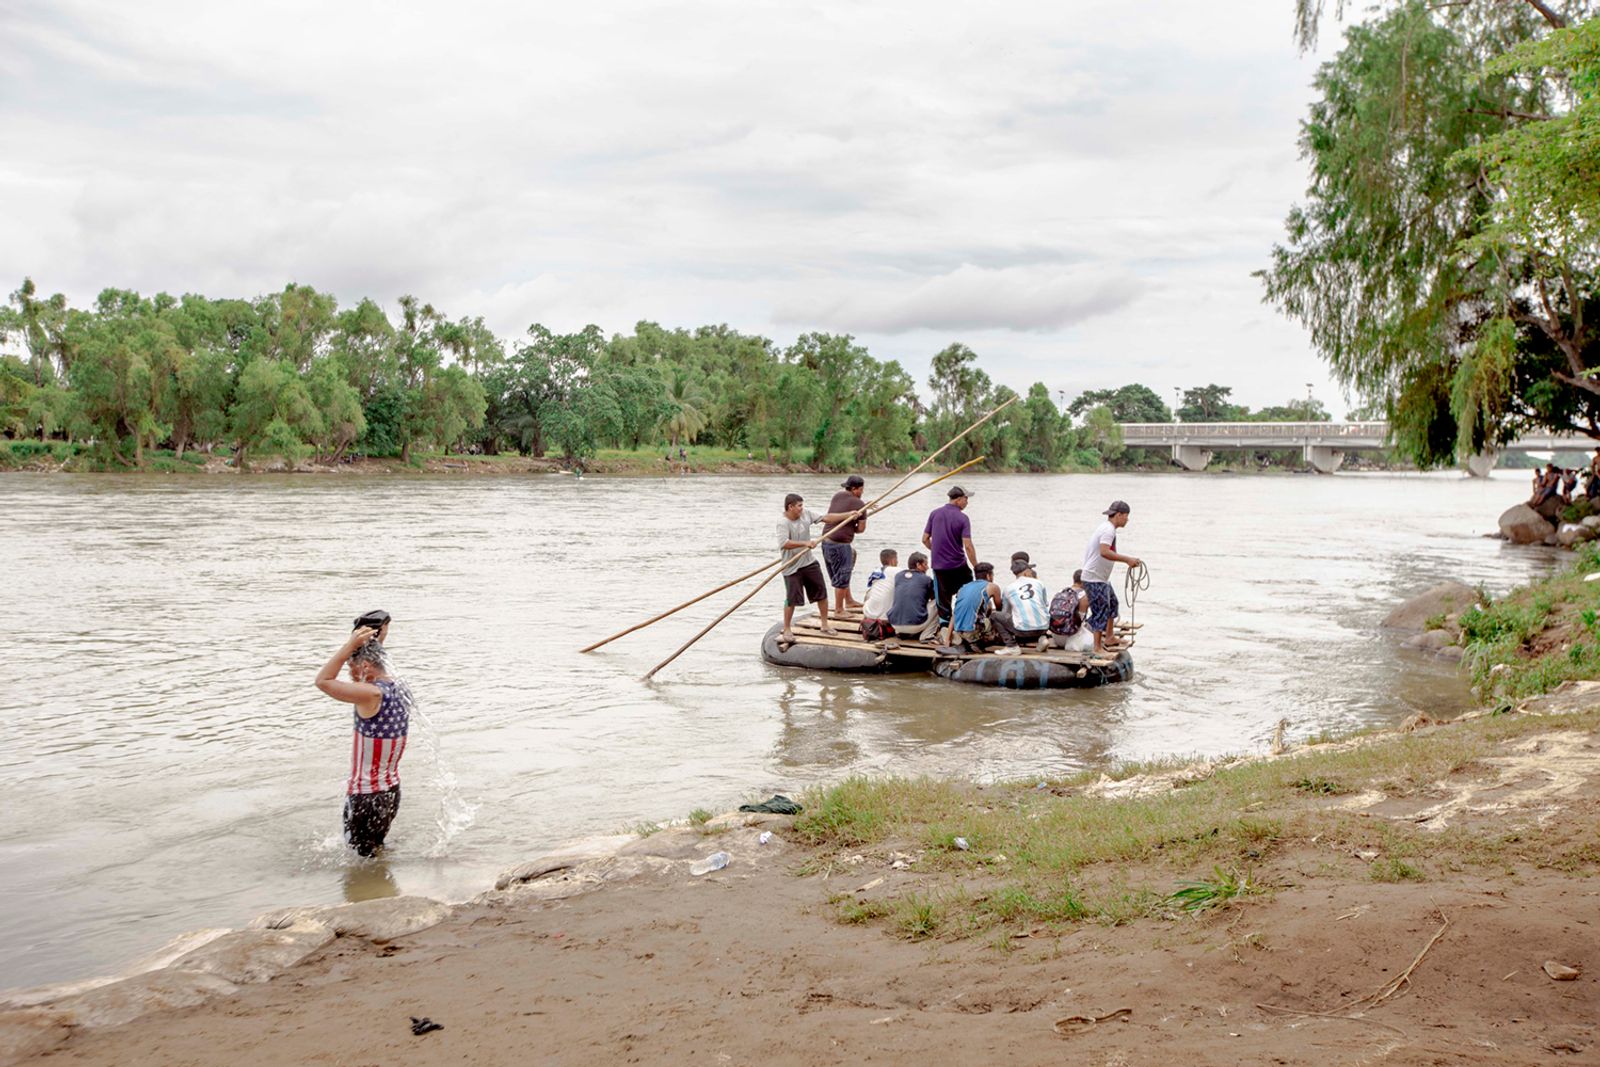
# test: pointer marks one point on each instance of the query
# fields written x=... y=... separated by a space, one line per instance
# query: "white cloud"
x=1034 y=299
x=907 y=171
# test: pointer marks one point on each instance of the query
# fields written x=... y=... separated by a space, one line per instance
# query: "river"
x=169 y=765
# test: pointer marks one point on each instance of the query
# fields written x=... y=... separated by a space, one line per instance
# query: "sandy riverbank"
x=1397 y=899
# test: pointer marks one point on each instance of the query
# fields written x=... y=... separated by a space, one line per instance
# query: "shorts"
x=803 y=585
x=367 y=817
x=841 y=560
x=1103 y=606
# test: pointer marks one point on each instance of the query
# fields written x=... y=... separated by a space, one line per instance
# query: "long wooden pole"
x=765 y=581
x=784 y=559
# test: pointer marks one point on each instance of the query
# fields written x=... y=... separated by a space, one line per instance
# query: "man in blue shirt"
x=972 y=612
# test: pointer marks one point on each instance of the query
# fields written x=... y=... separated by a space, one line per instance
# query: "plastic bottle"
x=714 y=862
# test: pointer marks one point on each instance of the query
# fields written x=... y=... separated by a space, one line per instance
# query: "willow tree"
x=1385 y=263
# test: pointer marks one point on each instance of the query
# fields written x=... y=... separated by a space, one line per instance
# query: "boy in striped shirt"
x=382 y=717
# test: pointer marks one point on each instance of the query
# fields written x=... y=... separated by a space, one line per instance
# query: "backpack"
x=1065 y=618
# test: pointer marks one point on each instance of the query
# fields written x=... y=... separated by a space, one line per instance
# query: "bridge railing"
x=1143 y=433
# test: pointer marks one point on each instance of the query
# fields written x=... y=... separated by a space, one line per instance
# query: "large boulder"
x=1523 y=526
x=1446 y=598
x=1570 y=534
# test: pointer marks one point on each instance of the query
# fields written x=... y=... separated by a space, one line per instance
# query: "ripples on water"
x=169 y=764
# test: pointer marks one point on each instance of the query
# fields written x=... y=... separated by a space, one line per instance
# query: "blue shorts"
x=841 y=560
x=1103 y=606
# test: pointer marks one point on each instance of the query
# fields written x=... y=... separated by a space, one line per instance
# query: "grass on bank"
x=1058 y=857
x=1538 y=636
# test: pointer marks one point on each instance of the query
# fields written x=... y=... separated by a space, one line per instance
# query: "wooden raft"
x=808 y=631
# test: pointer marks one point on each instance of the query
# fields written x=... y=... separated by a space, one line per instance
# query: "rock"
x=1429 y=640
x=1438 y=600
x=571 y=856
x=380 y=920
x=31 y=1031
x=1451 y=652
x=1551 y=510
x=1560 y=972
x=1569 y=534
x=1523 y=526
x=1418 y=721
x=1551 y=541
x=1564 y=699
x=124 y=1001
x=1592 y=521
x=246 y=956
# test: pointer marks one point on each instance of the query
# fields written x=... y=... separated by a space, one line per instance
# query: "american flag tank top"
x=380 y=741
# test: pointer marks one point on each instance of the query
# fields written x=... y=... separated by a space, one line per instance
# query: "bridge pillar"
x=1191 y=457
x=1480 y=465
x=1324 y=459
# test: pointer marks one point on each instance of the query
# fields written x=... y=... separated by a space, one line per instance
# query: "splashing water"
x=455 y=812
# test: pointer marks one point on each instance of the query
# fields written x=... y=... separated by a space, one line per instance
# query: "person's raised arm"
x=363 y=695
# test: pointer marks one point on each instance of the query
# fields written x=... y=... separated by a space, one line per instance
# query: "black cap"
x=853 y=481
x=372 y=619
x=957 y=491
x=1019 y=565
x=1117 y=506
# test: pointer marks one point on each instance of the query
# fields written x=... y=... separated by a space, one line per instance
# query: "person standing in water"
x=382 y=717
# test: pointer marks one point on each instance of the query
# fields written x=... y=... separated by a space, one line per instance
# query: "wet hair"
x=371 y=653
x=983 y=570
x=916 y=558
x=791 y=500
x=1077 y=576
x=888 y=556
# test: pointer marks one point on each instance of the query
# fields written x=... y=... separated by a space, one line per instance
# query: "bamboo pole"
x=862 y=512
x=764 y=582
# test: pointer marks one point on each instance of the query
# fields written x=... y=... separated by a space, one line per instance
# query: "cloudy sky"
x=1079 y=191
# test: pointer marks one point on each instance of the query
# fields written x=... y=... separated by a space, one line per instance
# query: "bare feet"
x=830 y=631
x=786 y=638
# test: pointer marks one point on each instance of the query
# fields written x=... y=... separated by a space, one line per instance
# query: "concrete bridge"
x=1322 y=443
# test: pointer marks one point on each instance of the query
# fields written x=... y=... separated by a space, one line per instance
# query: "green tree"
x=1210 y=403
x=272 y=412
x=1385 y=262
x=685 y=406
x=1131 y=403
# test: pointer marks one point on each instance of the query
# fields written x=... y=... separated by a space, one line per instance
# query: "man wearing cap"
x=948 y=537
x=802 y=578
x=837 y=550
x=1098 y=560
x=1024 y=615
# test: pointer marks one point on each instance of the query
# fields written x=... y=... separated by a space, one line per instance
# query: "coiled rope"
x=1133 y=583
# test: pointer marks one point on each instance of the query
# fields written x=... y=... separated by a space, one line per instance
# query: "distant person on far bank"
x=382 y=718
x=838 y=548
x=1098 y=561
x=947 y=535
x=802 y=577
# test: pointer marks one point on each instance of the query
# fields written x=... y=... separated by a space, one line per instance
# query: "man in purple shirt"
x=948 y=537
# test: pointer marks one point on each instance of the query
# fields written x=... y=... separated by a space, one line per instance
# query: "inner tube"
x=1026 y=672
x=829 y=657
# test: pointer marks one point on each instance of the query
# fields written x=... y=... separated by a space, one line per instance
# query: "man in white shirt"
x=1098 y=560
x=1025 y=612
x=875 y=609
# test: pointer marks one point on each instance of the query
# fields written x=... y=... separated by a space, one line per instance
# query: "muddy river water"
x=169 y=766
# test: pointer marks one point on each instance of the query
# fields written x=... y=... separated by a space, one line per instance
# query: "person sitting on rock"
x=1569 y=482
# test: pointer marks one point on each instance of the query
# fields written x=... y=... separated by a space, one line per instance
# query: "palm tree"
x=686 y=403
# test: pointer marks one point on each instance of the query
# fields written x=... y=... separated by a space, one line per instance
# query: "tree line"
x=292 y=374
